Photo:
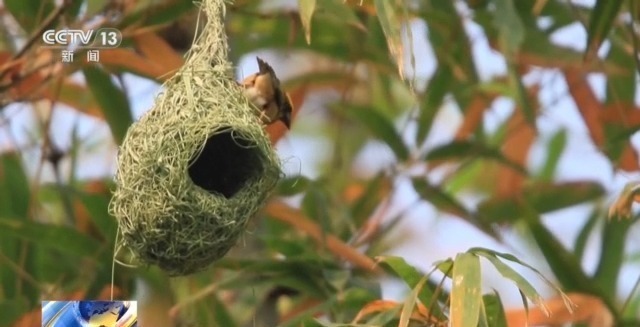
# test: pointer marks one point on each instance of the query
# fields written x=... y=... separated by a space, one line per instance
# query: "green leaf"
x=511 y=34
x=98 y=207
x=507 y=272
x=555 y=148
x=12 y=309
x=410 y=303
x=339 y=11
x=511 y=30
x=440 y=199
x=14 y=203
x=621 y=87
x=494 y=311
x=542 y=196
x=29 y=13
x=112 y=100
x=14 y=187
x=466 y=292
x=365 y=205
x=547 y=197
x=307 y=8
x=381 y=127
x=397 y=266
x=94 y=7
x=585 y=232
x=452 y=47
x=612 y=255
x=65 y=239
x=74 y=9
x=433 y=99
x=221 y=313
x=316 y=203
x=600 y=22
x=521 y=95
x=293 y=185
x=564 y=264
x=458 y=150
x=389 y=17
x=445 y=202
x=157 y=13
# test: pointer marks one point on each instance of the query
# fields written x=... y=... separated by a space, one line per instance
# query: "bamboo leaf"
x=12 y=309
x=410 y=303
x=555 y=148
x=612 y=255
x=389 y=16
x=471 y=150
x=29 y=13
x=307 y=7
x=433 y=99
x=14 y=186
x=581 y=240
x=382 y=128
x=494 y=311
x=466 y=296
x=97 y=205
x=412 y=277
x=509 y=273
x=543 y=197
x=440 y=199
x=112 y=100
x=65 y=239
x=600 y=22
x=511 y=30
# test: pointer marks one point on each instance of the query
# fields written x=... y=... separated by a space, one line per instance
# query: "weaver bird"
x=263 y=90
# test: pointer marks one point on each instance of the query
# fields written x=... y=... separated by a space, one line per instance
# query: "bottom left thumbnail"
x=89 y=314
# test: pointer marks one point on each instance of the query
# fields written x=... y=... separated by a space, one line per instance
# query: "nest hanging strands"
x=197 y=166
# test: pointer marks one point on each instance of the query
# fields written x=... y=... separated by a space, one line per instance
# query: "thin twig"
x=38 y=33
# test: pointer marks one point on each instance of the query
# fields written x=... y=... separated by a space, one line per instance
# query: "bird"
x=264 y=91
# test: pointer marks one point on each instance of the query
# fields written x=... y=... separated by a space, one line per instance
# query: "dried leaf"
x=307 y=7
x=159 y=53
x=621 y=208
x=587 y=103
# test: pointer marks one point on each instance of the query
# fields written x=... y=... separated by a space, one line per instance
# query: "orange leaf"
x=29 y=319
x=629 y=158
x=587 y=309
x=294 y=217
x=620 y=114
x=589 y=106
x=374 y=307
x=519 y=139
x=356 y=189
x=159 y=52
x=473 y=115
x=420 y=314
x=75 y=96
x=130 y=60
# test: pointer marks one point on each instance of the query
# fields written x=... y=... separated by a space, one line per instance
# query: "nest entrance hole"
x=225 y=164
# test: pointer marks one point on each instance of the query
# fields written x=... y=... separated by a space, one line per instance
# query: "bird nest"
x=195 y=168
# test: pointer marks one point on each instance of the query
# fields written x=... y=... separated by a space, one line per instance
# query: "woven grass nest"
x=194 y=169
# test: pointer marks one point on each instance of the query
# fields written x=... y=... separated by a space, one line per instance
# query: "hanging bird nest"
x=197 y=166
